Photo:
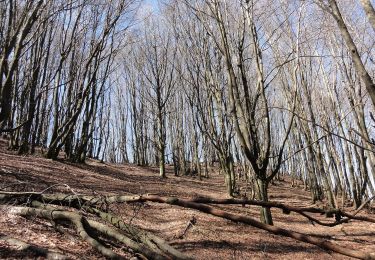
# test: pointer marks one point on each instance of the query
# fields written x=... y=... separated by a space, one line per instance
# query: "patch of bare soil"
x=210 y=238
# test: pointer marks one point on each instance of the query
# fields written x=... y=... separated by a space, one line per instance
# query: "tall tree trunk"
x=262 y=195
x=359 y=66
x=370 y=12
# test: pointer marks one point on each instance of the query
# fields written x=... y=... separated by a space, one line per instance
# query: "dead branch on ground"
x=157 y=246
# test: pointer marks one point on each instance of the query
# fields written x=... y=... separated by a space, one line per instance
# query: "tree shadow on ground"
x=269 y=247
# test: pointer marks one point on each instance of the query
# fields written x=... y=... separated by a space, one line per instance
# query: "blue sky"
x=153 y=3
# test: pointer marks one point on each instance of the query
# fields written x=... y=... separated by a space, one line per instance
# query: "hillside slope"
x=210 y=238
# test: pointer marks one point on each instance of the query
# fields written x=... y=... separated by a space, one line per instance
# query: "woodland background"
x=258 y=89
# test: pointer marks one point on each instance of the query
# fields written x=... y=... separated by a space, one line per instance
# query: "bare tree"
x=370 y=12
x=20 y=20
x=334 y=10
x=158 y=57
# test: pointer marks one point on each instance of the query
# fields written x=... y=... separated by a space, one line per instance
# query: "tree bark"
x=370 y=12
x=359 y=66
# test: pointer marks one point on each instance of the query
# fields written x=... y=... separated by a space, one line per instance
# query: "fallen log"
x=77 y=220
x=252 y=222
x=137 y=247
x=78 y=201
x=145 y=243
x=83 y=226
x=340 y=215
x=199 y=204
x=140 y=235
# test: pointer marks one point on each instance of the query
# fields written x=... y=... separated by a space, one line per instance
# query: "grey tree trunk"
x=370 y=12
x=359 y=66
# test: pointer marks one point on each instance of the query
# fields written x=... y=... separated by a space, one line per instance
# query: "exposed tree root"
x=39 y=251
x=78 y=201
x=85 y=227
x=340 y=215
x=147 y=238
x=133 y=243
x=252 y=222
x=77 y=220
x=137 y=247
x=154 y=247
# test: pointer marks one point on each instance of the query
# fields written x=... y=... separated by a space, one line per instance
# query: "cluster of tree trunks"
x=259 y=87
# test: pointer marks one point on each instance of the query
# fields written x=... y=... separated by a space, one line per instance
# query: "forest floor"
x=210 y=238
